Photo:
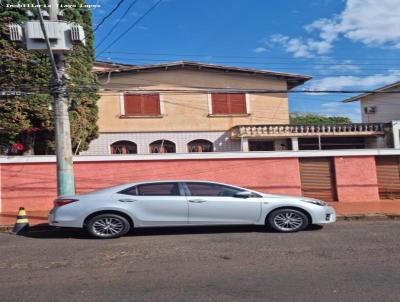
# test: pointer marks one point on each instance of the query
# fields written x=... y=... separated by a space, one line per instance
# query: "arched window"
x=200 y=145
x=162 y=146
x=123 y=147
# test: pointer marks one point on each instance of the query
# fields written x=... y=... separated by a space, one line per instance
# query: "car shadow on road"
x=44 y=231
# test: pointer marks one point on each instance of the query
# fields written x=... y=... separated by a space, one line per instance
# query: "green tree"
x=313 y=118
x=28 y=119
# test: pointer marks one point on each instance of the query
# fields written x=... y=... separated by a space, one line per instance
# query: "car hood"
x=289 y=197
x=281 y=196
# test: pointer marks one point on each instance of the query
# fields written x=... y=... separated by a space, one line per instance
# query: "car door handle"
x=127 y=200
x=197 y=200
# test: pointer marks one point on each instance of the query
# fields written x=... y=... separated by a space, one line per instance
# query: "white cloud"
x=302 y=48
x=354 y=82
x=343 y=68
x=341 y=109
x=371 y=22
x=331 y=66
x=331 y=105
x=260 y=49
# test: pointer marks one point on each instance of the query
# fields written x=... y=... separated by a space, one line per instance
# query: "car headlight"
x=315 y=201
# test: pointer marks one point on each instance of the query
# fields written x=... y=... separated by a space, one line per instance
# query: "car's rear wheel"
x=288 y=220
x=107 y=226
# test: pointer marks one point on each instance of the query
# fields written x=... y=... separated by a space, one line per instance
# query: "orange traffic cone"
x=22 y=224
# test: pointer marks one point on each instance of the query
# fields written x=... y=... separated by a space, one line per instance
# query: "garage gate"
x=318 y=178
x=388 y=173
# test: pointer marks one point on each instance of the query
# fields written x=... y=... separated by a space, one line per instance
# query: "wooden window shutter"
x=229 y=103
x=219 y=103
x=132 y=104
x=144 y=104
x=151 y=104
x=237 y=103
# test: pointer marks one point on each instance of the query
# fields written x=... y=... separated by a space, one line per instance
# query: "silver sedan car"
x=112 y=212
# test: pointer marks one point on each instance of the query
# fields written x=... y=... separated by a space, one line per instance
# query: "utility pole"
x=65 y=173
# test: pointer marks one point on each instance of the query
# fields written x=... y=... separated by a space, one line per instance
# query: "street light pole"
x=65 y=173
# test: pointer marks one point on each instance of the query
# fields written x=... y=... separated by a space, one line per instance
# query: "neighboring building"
x=382 y=106
x=196 y=107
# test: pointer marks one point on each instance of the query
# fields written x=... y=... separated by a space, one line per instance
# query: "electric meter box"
x=62 y=35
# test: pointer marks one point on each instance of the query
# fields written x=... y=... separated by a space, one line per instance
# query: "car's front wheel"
x=287 y=220
x=107 y=226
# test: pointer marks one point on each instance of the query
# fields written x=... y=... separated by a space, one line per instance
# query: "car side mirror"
x=243 y=194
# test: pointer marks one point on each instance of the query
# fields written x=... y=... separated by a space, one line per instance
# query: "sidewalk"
x=378 y=207
x=35 y=217
x=388 y=209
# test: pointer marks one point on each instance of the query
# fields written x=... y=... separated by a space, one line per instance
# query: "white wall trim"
x=248 y=98
x=162 y=106
x=209 y=101
x=244 y=142
x=213 y=155
x=121 y=103
x=396 y=134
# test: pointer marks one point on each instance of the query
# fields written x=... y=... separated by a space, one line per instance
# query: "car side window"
x=209 y=189
x=129 y=191
x=158 y=189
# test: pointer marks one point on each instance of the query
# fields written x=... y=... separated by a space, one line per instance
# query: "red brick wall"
x=33 y=185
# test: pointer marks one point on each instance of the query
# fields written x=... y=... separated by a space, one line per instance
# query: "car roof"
x=180 y=180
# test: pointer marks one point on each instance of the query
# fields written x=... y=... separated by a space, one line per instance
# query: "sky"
x=342 y=44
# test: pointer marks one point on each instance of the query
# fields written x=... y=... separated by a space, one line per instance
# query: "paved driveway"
x=348 y=261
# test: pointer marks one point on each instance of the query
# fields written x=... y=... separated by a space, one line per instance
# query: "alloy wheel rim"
x=288 y=221
x=107 y=226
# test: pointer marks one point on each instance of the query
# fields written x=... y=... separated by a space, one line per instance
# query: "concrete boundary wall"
x=30 y=181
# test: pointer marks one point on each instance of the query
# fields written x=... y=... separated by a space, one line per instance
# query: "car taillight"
x=63 y=202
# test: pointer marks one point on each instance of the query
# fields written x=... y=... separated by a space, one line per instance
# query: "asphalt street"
x=347 y=261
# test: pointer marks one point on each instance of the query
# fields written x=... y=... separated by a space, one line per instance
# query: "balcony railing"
x=355 y=129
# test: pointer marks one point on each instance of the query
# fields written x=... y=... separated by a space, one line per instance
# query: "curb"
x=368 y=217
x=349 y=217
x=6 y=228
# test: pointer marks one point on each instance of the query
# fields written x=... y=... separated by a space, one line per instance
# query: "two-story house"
x=382 y=106
x=188 y=107
x=196 y=107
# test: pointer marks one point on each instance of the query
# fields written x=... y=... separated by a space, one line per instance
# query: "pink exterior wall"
x=356 y=178
x=29 y=185
x=32 y=185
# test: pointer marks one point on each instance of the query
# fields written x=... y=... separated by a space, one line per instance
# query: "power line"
x=277 y=65
x=237 y=57
x=202 y=91
x=315 y=77
x=190 y=89
x=252 y=62
x=322 y=72
x=116 y=24
x=109 y=14
x=133 y=25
